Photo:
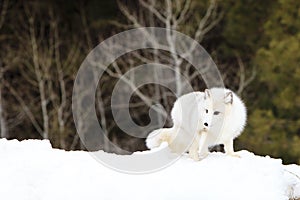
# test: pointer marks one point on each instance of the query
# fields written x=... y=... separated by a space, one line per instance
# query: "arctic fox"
x=191 y=115
x=221 y=118
x=228 y=121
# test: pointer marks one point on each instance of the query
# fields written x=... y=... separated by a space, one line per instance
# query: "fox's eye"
x=206 y=110
x=216 y=112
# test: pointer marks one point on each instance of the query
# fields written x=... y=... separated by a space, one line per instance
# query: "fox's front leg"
x=202 y=144
x=228 y=146
x=193 y=150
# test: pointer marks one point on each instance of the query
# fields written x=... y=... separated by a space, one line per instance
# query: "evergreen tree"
x=274 y=127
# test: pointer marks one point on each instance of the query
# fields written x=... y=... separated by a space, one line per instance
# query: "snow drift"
x=33 y=170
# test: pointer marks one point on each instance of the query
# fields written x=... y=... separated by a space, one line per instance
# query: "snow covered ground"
x=32 y=170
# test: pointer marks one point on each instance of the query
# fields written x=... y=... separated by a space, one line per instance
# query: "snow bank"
x=33 y=170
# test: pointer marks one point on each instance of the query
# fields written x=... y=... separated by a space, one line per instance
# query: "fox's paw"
x=195 y=157
x=203 y=155
x=234 y=154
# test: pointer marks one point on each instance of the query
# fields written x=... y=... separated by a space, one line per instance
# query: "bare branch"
x=121 y=25
x=203 y=26
x=183 y=12
x=24 y=106
x=86 y=28
x=119 y=75
x=151 y=8
x=130 y=17
x=243 y=81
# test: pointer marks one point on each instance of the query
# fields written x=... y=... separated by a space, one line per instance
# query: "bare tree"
x=172 y=15
x=41 y=64
x=81 y=113
x=244 y=80
x=41 y=69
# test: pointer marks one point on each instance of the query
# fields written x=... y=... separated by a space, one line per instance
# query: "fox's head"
x=222 y=100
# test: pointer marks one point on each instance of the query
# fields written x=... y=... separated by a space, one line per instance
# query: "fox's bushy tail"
x=156 y=137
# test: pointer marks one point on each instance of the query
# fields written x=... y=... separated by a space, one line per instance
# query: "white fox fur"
x=191 y=115
x=222 y=110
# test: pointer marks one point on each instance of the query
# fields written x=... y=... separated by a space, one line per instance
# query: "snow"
x=32 y=170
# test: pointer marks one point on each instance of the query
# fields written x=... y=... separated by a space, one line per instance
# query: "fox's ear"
x=206 y=94
x=228 y=98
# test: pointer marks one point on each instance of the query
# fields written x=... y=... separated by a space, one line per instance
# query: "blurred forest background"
x=255 y=44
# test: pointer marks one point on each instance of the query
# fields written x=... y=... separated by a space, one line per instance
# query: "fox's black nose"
x=205 y=124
